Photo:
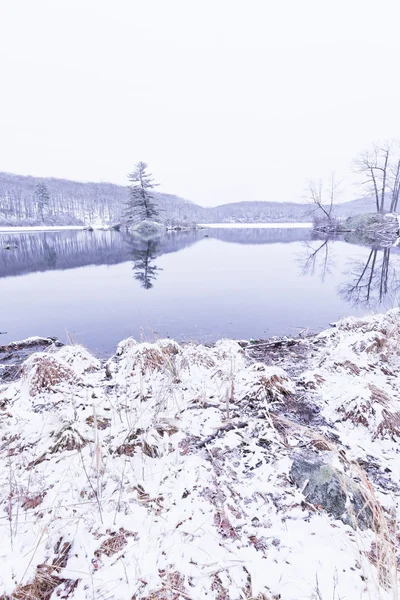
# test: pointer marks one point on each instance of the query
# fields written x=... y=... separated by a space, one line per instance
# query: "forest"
x=26 y=200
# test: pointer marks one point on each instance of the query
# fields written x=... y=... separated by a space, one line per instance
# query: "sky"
x=225 y=100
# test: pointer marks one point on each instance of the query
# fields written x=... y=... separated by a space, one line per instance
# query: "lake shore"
x=272 y=225
x=235 y=470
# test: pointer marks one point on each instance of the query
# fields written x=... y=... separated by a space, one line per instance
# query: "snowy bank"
x=182 y=471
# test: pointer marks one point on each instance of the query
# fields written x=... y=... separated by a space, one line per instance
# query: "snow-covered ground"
x=174 y=471
x=257 y=225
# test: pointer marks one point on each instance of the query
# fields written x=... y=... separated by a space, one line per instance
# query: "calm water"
x=239 y=283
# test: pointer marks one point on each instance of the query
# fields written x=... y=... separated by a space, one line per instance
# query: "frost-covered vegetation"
x=238 y=471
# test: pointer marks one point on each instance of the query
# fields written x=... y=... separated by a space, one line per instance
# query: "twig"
x=276 y=344
x=227 y=427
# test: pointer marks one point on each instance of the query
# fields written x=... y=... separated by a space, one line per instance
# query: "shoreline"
x=272 y=225
x=214 y=468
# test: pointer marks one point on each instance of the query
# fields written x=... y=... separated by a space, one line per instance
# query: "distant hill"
x=355 y=207
x=75 y=203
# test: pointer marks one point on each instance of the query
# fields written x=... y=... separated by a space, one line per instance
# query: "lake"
x=240 y=283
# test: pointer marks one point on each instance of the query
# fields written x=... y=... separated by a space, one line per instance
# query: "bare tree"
x=324 y=198
x=395 y=187
x=380 y=171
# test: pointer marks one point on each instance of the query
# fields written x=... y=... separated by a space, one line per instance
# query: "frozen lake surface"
x=103 y=286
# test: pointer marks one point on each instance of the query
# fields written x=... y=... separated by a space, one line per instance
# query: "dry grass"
x=389 y=426
x=349 y=367
x=155 y=357
x=115 y=543
x=98 y=422
x=68 y=438
x=45 y=372
x=173 y=588
x=47 y=578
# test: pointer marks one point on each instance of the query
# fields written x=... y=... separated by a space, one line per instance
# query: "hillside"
x=75 y=203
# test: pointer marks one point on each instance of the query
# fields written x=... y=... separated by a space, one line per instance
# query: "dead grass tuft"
x=101 y=422
x=115 y=543
x=223 y=594
x=172 y=588
x=167 y=427
x=348 y=366
x=33 y=501
x=389 y=426
x=224 y=527
x=379 y=343
x=68 y=438
x=155 y=357
x=47 y=579
x=266 y=383
x=378 y=395
x=45 y=372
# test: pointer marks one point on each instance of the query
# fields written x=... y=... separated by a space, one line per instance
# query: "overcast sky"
x=226 y=100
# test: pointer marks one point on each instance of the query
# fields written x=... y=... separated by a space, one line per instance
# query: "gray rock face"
x=325 y=486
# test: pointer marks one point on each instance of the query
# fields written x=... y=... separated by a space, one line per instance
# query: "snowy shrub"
x=45 y=372
x=79 y=359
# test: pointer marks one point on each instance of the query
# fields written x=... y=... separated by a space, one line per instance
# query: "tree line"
x=56 y=201
x=26 y=200
x=378 y=170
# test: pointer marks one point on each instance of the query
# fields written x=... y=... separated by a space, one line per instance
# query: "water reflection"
x=39 y=251
x=215 y=283
x=373 y=282
x=49 y=252
x=369 y=283
x=144 y=267
x=317 y=260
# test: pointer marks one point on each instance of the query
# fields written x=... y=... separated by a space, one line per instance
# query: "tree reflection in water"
x=317 y=259
x=144 y=255
x=371 y=283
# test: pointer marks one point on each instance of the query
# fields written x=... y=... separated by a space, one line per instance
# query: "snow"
x=164 y=473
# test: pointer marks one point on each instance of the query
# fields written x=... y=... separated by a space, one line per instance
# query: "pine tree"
x=42 y=198
x=141 y=205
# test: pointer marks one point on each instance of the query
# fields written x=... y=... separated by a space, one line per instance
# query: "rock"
x=148 y=229
x=88 y=228
x=32 y=342
x=324 y=485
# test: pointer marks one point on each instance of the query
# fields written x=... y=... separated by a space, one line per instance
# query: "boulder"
x=328 y=487
x=148 y=229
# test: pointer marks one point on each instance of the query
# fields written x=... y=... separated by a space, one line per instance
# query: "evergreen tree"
x=141 y=205
x=42 y=198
